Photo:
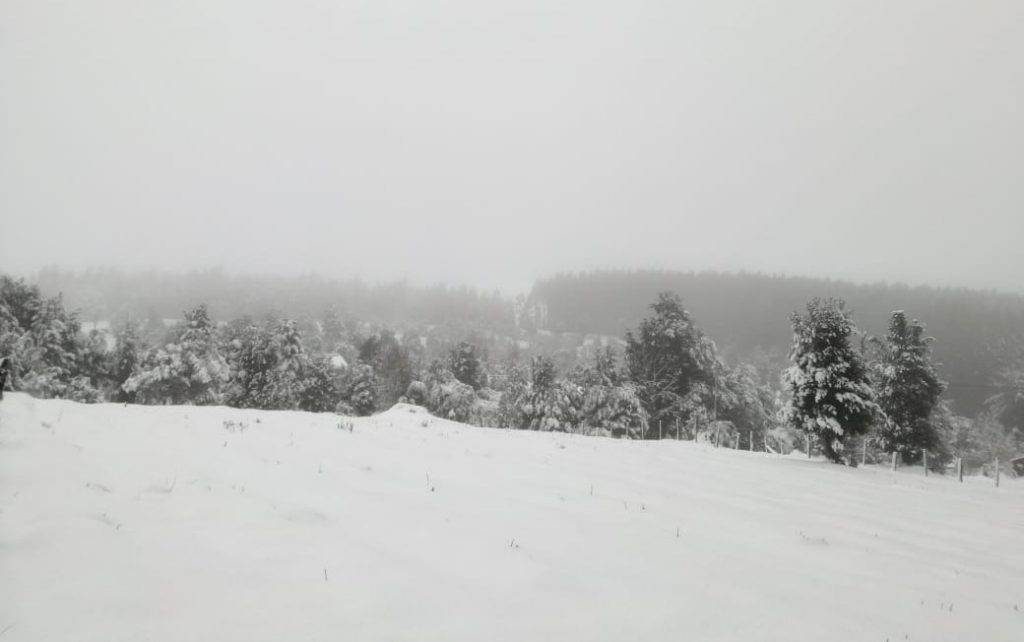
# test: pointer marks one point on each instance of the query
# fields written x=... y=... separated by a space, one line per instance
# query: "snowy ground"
x=172 y=523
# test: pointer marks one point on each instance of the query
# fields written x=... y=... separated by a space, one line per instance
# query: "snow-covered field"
x=183 y=523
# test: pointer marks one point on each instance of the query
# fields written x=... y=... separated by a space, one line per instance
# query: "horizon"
x=506 y=293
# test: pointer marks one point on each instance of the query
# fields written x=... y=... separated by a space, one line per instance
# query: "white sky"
x=493 y=142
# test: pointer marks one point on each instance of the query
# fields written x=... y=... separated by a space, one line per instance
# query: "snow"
x=188 y=523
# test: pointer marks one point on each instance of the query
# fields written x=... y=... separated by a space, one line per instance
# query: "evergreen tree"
x=359 y=389
x=391 y=366
x=1007 y=405
x=252 y=358
x=465 y=364
x=609 y=404
x=830 y=393
x=284 y=382
x=50 y=355
x=450 y=398
x=191 y=369
x=666 y=358
x=540 y=401
x=513 y=399
x=908 y=390
x=319 y=392
x=125 y=360
x=746 y=402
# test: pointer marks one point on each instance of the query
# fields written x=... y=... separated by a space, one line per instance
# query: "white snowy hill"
x=184 y=523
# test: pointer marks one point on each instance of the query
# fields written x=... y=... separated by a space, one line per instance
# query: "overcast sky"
x=489 y=143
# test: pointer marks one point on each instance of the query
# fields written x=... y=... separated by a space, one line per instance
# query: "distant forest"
x=107 y=295
x=747 y=315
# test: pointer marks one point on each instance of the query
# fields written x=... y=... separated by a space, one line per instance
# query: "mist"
x=492 y=144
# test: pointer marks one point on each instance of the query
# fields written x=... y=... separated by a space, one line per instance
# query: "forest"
x=831 y=386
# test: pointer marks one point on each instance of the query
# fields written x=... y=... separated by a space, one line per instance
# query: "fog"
x=492 y=143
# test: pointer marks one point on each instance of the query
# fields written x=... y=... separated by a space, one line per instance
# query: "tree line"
x=666 y=378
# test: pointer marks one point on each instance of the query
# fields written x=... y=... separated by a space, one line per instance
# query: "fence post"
x=864 y=452
x=926 y=463
x=894 y=462
x=997 y=472
x=960 y=469
x=808 y=446
x=751 y=440
x=659 y=430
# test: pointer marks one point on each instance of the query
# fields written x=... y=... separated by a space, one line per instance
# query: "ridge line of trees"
x=844 y=389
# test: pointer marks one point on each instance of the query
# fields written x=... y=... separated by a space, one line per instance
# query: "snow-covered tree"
x=1007 y=405
x=417 y=393
x=908 y=389
x=285 y=379
x=127 y=348
x=465 y=364
x=746 y=401
x=190 y=369
x=51 y=357
x=359 y=389
x=667 y=357
x=450 y=398
x=513 y=399
x=830 y=394
x=540 y=400
x=391 y=366
x=609 y=404
x=319 y=391
x=271 y=369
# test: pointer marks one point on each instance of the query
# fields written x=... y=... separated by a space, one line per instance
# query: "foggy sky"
x=489 y=143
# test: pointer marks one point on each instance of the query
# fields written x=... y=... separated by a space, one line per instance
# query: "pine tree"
x=284 y=381
x=667 y=358
x=608 y=404
x=745 y=401
x=125 y=360
x=450 y=398
x=830 y=392
x=51 y=357
x=1007 y=404
x=191 y=369
x=465 y=364
x=908 y=390
x=391 y=366
x=319 y=392
x=360 y=389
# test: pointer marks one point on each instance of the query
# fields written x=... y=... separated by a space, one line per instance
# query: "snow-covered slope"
x=182 y=523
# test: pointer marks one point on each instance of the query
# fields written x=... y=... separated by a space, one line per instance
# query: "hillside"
x=207 y=523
